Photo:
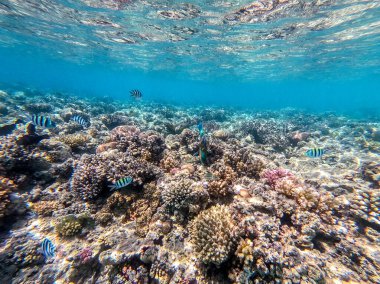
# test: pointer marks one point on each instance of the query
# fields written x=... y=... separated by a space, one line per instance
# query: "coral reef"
x=213 y=235
x=256 y=211
x=69 y=226
x=366 y=206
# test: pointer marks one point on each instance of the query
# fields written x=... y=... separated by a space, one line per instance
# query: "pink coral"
x=273 y=176
x=85 y=255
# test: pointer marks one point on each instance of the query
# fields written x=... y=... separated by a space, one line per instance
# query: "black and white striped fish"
x=48 y=248
x=123 y=182
x=80 y=120
x=315 y=152
x=136 y=94
x=43 y=121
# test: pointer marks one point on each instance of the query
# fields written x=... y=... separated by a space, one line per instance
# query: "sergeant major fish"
x=80 y=120
x=315 y=152
x=123 y=182
x=136 y=94
x=48 y=248
x=43 y=121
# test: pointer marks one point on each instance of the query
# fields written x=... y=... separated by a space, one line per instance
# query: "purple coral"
x=273 y=176
x=85 y=255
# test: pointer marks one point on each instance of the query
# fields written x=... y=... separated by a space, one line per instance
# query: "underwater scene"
x=185 y=142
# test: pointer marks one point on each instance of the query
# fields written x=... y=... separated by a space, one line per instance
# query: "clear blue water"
x=316 y=55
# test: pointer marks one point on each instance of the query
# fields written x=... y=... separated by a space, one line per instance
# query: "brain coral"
x=213 y=234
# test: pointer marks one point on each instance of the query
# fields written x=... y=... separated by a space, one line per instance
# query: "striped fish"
x=48 y=248
x=315 y=152
x=80 y=120
x=123 y=182
x=136 y=94
x=43 y=121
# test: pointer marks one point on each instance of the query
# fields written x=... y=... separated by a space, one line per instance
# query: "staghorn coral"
x=366 y=205
x=213 y=234
x=69 y=226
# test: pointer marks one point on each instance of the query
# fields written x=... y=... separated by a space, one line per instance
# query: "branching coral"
x=267 y=132
x=223 y=178
x=89 y=177
x=170 y=160
x=245 y=251
x=176 y=194
x=213 y=234
x=45 y=208
x=75 y=141
x=273 y=176
x=245 y=162
x=147 y=145
x=69 y=226
x=6 y=188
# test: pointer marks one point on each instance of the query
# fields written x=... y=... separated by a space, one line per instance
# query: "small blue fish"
x=315 y=152
x=123 y=182
x=80 y=120
x=48 y=248
x=43 y=121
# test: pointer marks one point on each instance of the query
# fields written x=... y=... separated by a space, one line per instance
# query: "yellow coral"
x=75 y=140
x=245 y=251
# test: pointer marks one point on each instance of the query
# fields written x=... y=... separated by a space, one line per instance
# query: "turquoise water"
x=316 y=55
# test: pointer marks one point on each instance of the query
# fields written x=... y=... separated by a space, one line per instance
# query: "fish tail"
x=112 y=187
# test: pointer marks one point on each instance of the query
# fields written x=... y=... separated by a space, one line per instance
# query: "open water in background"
x=313 y=55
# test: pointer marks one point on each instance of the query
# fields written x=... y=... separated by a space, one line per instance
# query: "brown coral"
x=213 y=234
x=45 y=208
x=7 y=186
x=223 y=179
x=69 y=226
x=75 y=141
x=366 y=206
